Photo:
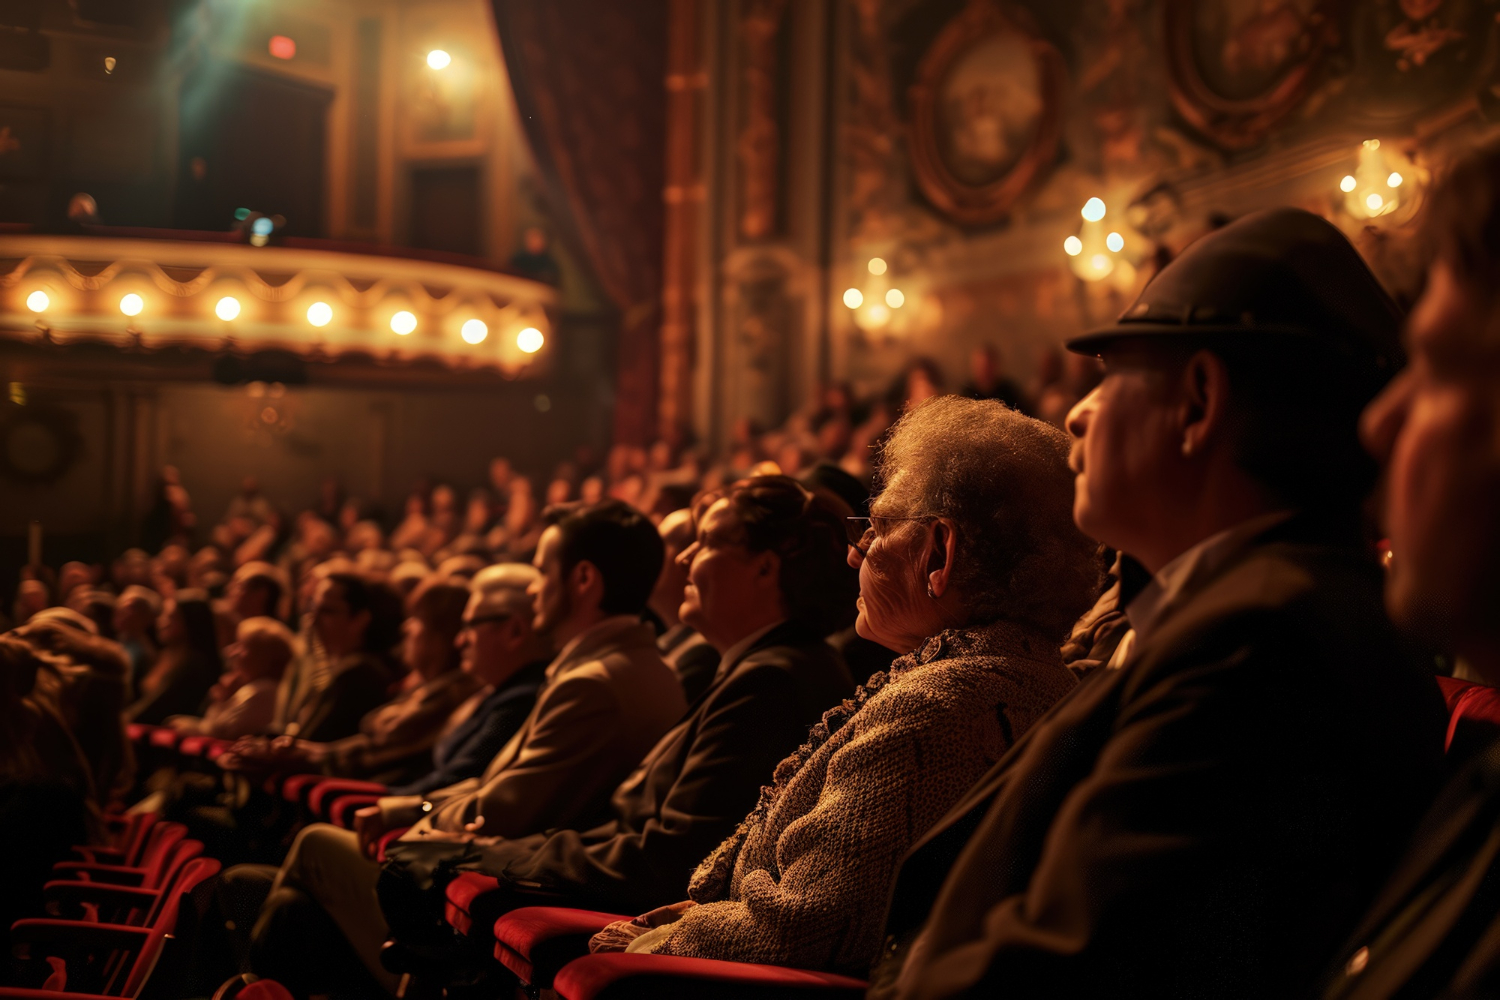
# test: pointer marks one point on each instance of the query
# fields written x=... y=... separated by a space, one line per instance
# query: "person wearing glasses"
x=971 y=568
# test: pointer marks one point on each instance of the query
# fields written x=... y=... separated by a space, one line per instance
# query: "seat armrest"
x=535 y=942
x=324 y=791
x=113 y=874
x=34 y=930
x=341 y=811
x=91 y=855
x=618 y=975
x=77 y=893
x=391 y=836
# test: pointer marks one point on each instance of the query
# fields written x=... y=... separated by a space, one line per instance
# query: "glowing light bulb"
x=895 y=298
x=1100 y=262
x=877 y=265
x=474 y=331
x=403 y=323
x=227 y=308
x=320 y=314
x=132 y=304
x=438 y=59
x=1093 y=210
x=879 y=315
x=1347 y=184
x=38 y=302
x=1394 y=180
x=1115 y=242
x=1374 y=202
x=282 y=47
x=109 y=64
x=530 y=340
x=1073 y=246
x=853 y=298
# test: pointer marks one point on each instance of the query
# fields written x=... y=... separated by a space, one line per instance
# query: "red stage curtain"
x=589 y=78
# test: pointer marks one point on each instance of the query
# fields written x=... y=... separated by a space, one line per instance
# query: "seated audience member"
x=355 y=622
x=1209 y=817
x=692 y=658
x=607 y=698
x=972 y=569
x=136 y=612
x=243 y=703
x=395 y=741
x=253 y=592
x=188 y=666
x=85 y=678
x=1432 y=931
x=501 y=651
x=98 y=606
x=45 y=787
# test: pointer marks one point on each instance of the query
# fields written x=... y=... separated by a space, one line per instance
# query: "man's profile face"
x=549 y=592
x=1124 y=434
x=1436 y=427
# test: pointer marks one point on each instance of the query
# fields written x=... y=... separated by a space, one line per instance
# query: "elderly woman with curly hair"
x=971 y=567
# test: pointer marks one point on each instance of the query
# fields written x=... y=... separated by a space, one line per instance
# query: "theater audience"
x=607 y=698
x=355 y=623
x=1432 y=930
x=188 y=665
x=692 y=658
x=394 y=742
x=1209 y=817
x=136 y=613
x=502 y=652
x=767 y=578
x=243 y=702
x=971 y=568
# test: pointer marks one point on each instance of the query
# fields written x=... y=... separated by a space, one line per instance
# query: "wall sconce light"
x=872 y=305
x=38 y=301
x=320 y=314
x=227 y=308
x=403 y=323
x=474 y=331
x=438 y=59
x=131 y=304
x=530 y=340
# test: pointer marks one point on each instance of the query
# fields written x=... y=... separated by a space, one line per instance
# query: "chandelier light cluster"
x=1376 y=187
x=874 y=304
x=1094 y=252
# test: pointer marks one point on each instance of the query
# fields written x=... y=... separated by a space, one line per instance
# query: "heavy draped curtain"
x=588 y=76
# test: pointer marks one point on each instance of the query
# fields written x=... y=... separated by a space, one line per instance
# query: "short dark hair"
x=806 y=528
x=267 y=584
x=1295 y=417
x=618 y=541
x=1463 y=218
x=383 y=604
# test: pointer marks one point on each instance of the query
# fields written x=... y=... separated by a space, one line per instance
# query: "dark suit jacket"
x=473 y=743
x=694 y=786
x=335 y=712
x=1434 y=930
x=1207 y=821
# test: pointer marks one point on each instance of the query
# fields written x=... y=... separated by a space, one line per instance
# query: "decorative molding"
x=759 y=143
x=984 y=200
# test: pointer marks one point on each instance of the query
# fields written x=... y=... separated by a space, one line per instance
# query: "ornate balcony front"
x=148 y=290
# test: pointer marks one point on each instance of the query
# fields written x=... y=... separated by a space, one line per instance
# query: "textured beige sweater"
x=805 y=880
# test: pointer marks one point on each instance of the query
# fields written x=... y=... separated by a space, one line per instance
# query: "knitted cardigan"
x=804 y=881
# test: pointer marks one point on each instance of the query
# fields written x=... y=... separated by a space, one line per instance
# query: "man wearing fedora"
x=1208 y=816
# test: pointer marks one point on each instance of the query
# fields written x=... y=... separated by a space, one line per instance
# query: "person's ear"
x=767 y=568
x=586 y=582
x=942 y=547
x=1204 y=409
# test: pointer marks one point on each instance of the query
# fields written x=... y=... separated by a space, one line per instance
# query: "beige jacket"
x=606 y=700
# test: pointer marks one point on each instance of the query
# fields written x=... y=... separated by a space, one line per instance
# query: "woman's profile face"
x=892 y=584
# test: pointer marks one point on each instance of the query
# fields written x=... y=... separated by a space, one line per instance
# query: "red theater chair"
x=665 y=977
x=118 y=957
x=128 y=836
x=147 y=872
x=535 y=942
x=120 y=904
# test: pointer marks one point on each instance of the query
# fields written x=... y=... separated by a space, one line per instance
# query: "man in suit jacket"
x=1435 y=928
x=1207 y=818
x=606 y=699
x=767 y=578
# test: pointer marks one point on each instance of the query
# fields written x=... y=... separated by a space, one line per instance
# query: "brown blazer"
x=1207 y=821
x=607 y=698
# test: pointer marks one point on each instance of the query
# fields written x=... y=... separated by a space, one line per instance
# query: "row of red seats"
x=546 y=947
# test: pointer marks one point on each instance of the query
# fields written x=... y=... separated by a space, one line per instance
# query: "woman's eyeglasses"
x=861 y=530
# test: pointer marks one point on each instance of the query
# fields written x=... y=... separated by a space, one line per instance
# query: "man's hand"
x=369 y=827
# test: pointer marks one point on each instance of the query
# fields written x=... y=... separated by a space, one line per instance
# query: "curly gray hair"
x=1002 y=478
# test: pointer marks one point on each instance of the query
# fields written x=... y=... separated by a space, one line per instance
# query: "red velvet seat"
x=460 y=895
x=341 y=811
x=207 y=747
x=123 y=954
x=535 y=942
x=119 y=904
x=146 y=874
x=1473 y=715
x=164 y=738
x=617 y=976
x=127 y=841
x=325 y=790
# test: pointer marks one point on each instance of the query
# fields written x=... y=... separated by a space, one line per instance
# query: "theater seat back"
x=195 y=872
x=1473 y=716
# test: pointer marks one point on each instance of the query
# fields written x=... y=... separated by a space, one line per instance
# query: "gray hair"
x=503 y=587
x=1002 y=478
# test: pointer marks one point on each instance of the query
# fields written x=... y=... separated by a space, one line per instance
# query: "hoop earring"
x=930 y=593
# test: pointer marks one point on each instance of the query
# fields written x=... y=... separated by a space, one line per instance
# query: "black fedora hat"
x=1273 y=278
